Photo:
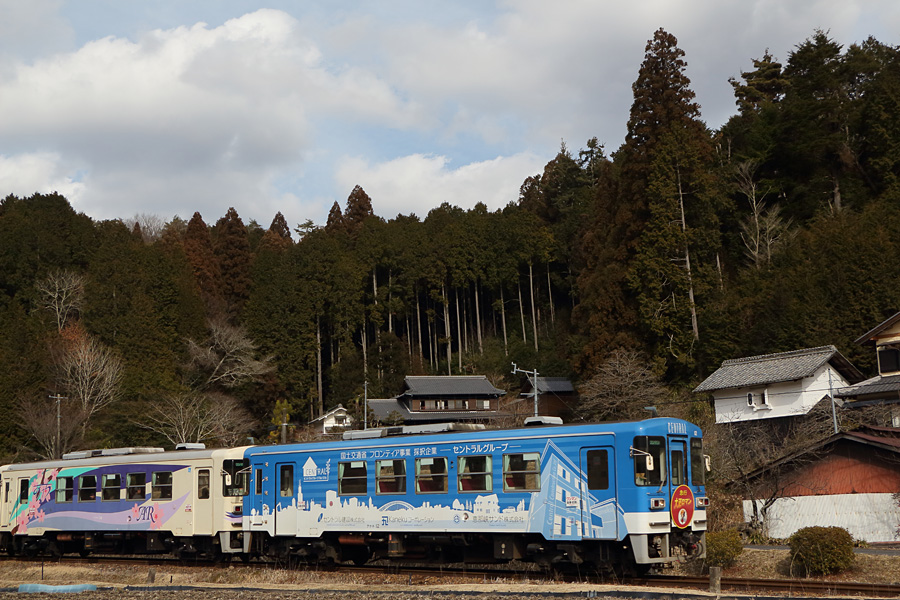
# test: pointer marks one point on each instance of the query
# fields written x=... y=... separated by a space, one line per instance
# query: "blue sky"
x=169 y=107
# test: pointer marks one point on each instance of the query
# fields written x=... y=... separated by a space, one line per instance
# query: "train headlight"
x=657 y=503
x=702 y=502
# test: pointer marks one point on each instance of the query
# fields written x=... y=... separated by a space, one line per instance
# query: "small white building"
x=335 y=420
x=785 y=384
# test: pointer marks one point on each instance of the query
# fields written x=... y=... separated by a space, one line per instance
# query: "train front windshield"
x=235 y=478
x=649 y=460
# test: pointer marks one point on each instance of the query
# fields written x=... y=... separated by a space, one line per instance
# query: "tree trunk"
x=533 y=309
x=459 y=334
x=522 y=311
x=419 y=326
x=550 y=297
x=365 y=351
x=446 y=304
x=478 y=320
x=503 y=322
x=390 y=314
x=687 y=263
x=319 y=366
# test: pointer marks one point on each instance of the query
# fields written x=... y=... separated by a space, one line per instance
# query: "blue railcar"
x=621 y=495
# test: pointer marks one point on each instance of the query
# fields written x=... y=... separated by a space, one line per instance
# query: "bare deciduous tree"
x=228 y=358
x=764 y=230
x=54 y=436
x=193 y=417
x=62 y=292
x=621 y=387
x=151 y=226
x=91 y=374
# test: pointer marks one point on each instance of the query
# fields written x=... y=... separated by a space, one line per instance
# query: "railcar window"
x=23 y=490
x=352 y=478
x=522 y=472
x=258 y=479
x=235 y=478
x=390 y=476
x=679 y=468
x=286 y=478
x=698 y=463
x=87 y=488
x=474 y=474
x=431 y=475
x=64 y=489
x=203 y=484
x=598 y=470
x=112 y=483
x=161 y=488
x=136 y=486
x=654 y=447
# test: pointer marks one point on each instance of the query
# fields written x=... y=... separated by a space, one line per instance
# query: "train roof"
x=653 y=426
x=125 y=456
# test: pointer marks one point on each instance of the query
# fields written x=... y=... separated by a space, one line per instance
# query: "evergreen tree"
x=199 y=252
x=232 y=248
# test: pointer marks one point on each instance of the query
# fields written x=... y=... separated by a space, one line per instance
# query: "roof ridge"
x=829 y=349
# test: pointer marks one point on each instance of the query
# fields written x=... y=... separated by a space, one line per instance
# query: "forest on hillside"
x=681 y=248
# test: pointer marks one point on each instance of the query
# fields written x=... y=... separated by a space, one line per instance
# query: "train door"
x=599 y=510
x=8 y=502
x=284 y=500
x=202 y=507
x=678 y=476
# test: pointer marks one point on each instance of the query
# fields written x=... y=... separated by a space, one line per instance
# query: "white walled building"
x=784 y=384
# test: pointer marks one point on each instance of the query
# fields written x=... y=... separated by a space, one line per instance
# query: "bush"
x=723 y=548
x=821 y=550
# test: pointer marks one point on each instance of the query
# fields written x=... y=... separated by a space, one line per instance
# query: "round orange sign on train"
x=682 y=506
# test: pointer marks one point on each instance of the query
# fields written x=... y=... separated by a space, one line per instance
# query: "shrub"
x=723 y=548
x=821 y=550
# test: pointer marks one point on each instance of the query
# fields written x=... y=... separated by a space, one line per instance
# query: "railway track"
x=417 y=576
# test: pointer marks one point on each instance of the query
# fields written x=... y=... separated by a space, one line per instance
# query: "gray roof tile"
x=447 y=385
x=774 y=368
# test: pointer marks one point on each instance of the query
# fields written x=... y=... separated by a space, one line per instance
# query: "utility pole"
x=57 y=397
x=534 y=384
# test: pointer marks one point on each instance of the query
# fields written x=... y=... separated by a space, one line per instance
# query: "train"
x=623 y=496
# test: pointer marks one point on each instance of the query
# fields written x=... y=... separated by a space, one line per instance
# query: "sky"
x=166 y=107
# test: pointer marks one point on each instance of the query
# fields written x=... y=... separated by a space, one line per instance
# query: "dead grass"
x=775 y=564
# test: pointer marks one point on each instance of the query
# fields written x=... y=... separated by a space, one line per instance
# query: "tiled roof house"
x=783 y=384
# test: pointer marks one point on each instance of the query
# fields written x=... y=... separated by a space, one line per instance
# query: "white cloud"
x=42 y=172
x=417 y=183
x=259 y=111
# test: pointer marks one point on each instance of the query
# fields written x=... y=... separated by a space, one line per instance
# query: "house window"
x=474 y=474
x=888 y=360
x=764 y=398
